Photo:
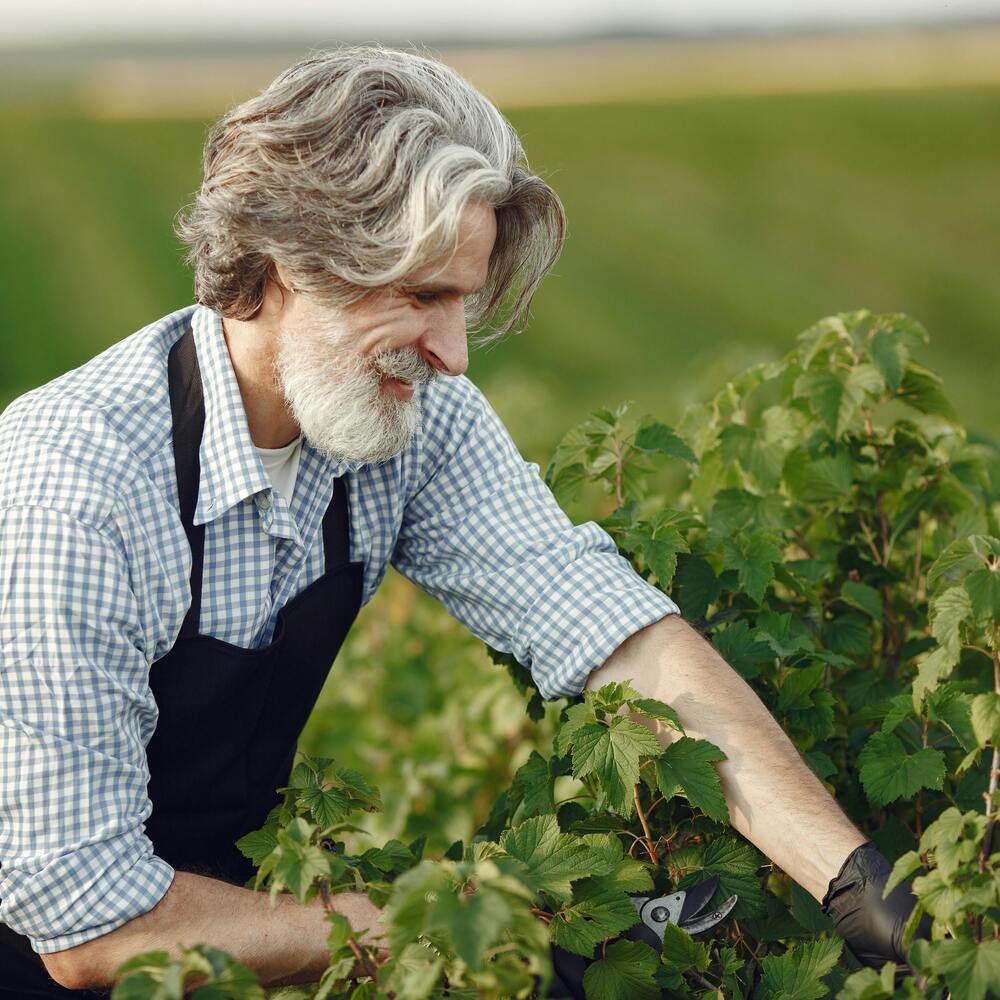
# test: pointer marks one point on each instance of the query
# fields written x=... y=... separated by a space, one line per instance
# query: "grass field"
x=704 y=234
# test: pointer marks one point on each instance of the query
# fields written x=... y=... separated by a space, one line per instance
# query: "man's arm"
x=774 y=799
x=283 y=945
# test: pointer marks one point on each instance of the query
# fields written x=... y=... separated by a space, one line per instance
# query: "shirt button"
x=264 y=502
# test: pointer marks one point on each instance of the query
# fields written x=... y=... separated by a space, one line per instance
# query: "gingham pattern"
x=94 y=568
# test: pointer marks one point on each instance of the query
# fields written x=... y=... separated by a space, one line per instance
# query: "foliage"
x=834 y=534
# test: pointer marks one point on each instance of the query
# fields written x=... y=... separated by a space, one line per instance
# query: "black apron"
x=229 y=718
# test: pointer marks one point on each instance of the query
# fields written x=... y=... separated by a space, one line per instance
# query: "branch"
x=650 y=849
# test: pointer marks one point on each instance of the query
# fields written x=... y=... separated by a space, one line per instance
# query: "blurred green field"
x=704 y=234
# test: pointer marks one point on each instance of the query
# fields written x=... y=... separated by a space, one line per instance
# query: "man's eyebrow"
x=439 y=288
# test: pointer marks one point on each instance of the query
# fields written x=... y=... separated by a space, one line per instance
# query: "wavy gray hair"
x=352 y=169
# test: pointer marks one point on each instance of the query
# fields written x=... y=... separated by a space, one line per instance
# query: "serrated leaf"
x=624 y=973
x=654 y=436
x=986 y=718
x=888 y=772
x=969 y=968
x=948 y=611
x=657 y=710
x=612 y=753
x=532 y=784
x=904 y=867
x=931 y=672
x=696 y=587
x=553 y=859
x=983 y=587
x=797 y=974
x=921 y=389
x=600 y=909
x=785 y=634
x=328 y=805
x=682 y=952
x=753 y=557
x=688 y=762
x=863 y=597
x=818 y=480
x=742 y=649
x=257 y=845
x=577 y=716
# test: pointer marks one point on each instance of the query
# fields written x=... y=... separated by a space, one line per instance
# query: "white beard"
x=337 y=397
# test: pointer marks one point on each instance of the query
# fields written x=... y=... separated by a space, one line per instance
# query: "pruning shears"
x=683 y=908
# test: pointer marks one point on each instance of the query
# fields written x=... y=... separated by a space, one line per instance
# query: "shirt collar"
x=231 y=469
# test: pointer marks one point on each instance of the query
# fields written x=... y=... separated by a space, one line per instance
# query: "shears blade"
x=682 y=908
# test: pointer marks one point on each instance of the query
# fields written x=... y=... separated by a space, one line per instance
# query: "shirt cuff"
x=84 y=894
x=595 y=606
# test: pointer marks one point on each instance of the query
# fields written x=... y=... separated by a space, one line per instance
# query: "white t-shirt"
x=281 y=465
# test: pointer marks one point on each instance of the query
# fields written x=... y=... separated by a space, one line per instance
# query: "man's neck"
x=251 y=348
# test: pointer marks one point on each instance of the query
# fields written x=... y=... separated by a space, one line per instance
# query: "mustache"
x=406 y=364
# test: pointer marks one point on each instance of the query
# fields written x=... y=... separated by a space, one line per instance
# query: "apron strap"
x=187 y=407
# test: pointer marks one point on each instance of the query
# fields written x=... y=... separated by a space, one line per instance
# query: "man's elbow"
x=78 y=968
x=65 y=968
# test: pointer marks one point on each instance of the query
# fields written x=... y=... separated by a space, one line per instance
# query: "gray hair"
x=351 y=170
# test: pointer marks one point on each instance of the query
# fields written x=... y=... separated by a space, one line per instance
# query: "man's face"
x=347 y=375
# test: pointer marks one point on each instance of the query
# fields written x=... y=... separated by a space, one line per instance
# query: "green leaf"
x=969 y=969
x=328 y=806
x=257 y=845
x=948 y=611
x=888 y=772
x=785 y=634
x=904 y=867
x=921 y=389
x=863 y=597
x=577 y=716
x=753 y=557
x=696 y=587
x=961 y=556
x=600 y=908
x=612 y=753
x=624 y=973
x=986 y=718
x=818 y=480
x=931 y=672
x=532 y=785
x=742 y=649
x=808 y=912
x=736 y=863
x=798 y=973
x=682 y=952
x=657 y=710
x=688 y=762
x=553 y=860
x=983 y=586
x=654 y=436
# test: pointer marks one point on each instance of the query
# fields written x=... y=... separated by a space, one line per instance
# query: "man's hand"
x=871 y=926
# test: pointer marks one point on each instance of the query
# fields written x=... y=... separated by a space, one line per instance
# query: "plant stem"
x=650 y=848
x=361 y=954
x=991 y=816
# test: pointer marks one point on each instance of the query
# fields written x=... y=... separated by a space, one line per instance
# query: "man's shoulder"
x=80 y=441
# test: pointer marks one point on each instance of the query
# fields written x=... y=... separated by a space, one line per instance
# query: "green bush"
x=833 y=532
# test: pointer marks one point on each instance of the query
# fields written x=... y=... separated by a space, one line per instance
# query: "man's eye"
x=425 y=297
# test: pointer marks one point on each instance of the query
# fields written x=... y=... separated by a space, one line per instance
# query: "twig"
x=869 y=538
x=991 y=816
x=361 y=954
x=650 y=848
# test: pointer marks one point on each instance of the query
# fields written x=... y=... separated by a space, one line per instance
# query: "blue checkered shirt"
x=94 y=585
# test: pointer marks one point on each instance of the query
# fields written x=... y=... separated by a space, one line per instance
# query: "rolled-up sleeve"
x=484 y=535
x=76 y=714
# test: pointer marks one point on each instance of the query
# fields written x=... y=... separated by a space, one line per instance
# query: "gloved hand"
x=872 y=926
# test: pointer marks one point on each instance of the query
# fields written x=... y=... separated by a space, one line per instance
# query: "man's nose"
x=445 y=344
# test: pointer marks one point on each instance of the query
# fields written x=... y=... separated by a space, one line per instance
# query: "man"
x=190 y=522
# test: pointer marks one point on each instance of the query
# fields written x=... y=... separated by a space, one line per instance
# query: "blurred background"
x=732 y=171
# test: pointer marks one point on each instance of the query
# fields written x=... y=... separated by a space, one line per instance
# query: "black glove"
x=872 y=926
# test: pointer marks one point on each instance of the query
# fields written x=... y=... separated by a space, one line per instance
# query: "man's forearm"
x=284 y=944
x=774 y=799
